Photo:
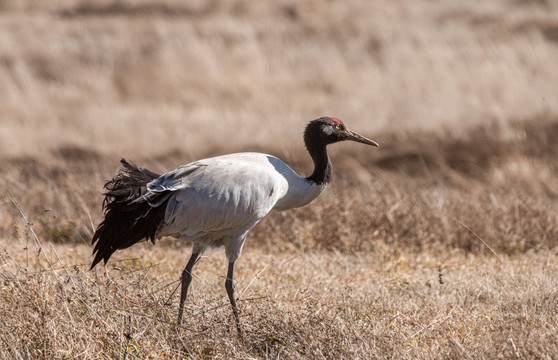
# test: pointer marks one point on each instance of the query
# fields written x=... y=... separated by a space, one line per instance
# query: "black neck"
x=322 y=164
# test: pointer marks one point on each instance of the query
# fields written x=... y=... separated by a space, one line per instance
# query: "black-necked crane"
x=212 y=202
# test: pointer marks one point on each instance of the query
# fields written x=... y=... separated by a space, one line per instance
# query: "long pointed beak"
x=353 y=136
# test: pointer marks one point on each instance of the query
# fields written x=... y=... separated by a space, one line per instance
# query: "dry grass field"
x=443 y=243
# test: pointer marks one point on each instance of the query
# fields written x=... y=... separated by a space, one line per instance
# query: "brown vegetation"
x=440 y=244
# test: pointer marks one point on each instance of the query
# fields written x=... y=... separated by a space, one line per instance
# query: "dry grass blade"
x=34 y=235
x=257 y=276
x=432 y=324
x=478 y=237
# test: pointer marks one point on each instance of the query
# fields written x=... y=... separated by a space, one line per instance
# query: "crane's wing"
x=218 y=194
x=160 y=189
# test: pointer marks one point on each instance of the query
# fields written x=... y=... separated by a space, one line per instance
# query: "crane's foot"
x=236 y=313
x=180 y=311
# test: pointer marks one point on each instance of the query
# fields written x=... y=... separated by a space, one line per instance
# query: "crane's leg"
x=186 y=280
x=229 y=285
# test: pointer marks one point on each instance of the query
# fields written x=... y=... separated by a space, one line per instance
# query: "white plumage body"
x=217 y=201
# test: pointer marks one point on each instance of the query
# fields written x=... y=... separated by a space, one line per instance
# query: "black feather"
x=129 y=217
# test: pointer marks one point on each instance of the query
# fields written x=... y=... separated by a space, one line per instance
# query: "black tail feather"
x=129 y=218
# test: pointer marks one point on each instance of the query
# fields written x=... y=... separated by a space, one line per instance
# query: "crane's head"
x=327 y=130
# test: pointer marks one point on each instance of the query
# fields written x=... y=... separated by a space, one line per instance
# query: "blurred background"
x=142 y=78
